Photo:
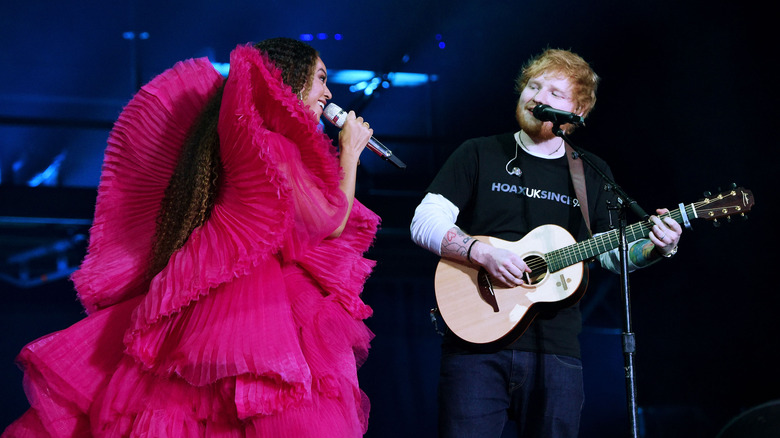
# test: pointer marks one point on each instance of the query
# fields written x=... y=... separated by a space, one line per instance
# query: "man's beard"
x=536 y=129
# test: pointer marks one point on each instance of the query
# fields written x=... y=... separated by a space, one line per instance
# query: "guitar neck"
x=605 y=242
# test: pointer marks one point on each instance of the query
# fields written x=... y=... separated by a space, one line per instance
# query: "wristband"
x=468 y=253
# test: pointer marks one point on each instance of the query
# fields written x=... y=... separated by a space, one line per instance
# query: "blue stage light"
x=222 y=67
x=360 y=86
x=349 y=76
x=404 y=79
x=360 y=80
x=50 y=175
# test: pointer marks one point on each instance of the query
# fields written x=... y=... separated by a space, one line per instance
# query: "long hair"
x=193 y=188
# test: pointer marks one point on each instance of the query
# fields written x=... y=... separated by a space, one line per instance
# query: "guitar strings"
x=580 y=251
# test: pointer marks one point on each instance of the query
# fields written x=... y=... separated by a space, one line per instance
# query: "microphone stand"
x=629 y=342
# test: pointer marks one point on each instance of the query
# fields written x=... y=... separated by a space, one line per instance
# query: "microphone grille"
x=539 y=110
x=334 y=114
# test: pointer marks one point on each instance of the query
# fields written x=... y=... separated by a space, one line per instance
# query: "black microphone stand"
x=629 y=342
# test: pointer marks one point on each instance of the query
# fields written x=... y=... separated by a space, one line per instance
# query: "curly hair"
x=296 y=60
x=584 y=80
x=192 y=189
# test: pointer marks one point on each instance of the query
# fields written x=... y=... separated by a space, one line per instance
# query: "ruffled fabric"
x=255 y=326
x=142 y=151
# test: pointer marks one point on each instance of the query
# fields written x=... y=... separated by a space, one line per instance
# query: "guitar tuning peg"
x=715 y=223
x=707 y=194
x=733 y=185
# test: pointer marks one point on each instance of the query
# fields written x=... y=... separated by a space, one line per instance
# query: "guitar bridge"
x=485 y=288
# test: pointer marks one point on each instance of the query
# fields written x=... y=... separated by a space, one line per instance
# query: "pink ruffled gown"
x=255 y=327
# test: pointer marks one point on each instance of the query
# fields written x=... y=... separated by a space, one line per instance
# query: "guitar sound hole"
x=538 y=268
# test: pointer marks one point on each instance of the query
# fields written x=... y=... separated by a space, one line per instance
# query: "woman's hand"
x=353 y=138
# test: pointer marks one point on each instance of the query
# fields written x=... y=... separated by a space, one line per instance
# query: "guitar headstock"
x=735 y=201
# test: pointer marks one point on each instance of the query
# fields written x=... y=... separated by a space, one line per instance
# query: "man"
x=504 y=186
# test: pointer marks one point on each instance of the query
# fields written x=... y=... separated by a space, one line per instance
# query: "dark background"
x=687 y=104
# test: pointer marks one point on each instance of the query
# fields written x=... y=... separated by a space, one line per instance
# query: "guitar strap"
x=578 y=180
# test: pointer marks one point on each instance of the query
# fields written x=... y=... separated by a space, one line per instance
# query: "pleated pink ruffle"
x=142 y=151
x=254 y=328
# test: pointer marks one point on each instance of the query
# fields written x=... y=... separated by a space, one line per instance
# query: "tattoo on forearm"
x=456 y=242
x=451 y=235
x=641 y=255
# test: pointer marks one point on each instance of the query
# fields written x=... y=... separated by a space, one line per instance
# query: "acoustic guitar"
x=491 y=315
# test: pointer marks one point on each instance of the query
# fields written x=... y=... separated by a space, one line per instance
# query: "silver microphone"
x=337 y=116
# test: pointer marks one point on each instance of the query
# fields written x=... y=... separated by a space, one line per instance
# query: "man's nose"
x=541 y=98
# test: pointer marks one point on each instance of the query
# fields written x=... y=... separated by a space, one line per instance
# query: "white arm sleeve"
x=432 y=219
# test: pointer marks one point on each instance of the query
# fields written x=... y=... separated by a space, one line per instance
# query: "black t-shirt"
x=493 y=202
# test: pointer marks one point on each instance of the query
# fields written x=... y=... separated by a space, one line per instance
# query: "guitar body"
x=478 y=319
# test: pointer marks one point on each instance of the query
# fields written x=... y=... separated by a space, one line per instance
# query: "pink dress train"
x=255 y=327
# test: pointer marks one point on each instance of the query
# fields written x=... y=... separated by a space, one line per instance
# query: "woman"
x=224 y=268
